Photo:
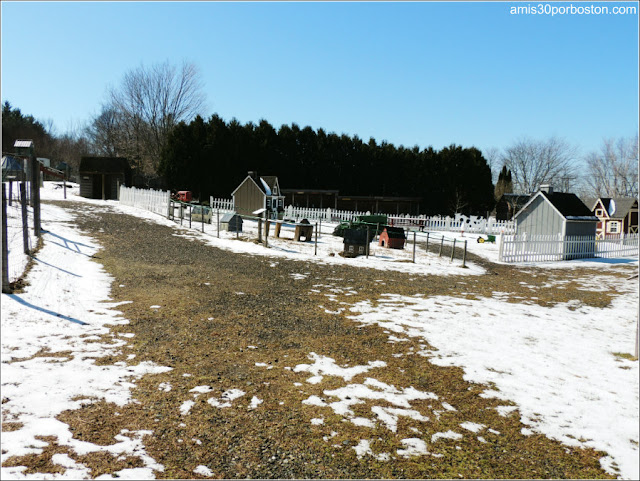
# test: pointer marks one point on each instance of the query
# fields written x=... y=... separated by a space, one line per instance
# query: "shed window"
x=599 y=213
x=614 y=227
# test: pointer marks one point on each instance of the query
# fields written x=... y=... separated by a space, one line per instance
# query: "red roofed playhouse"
x=392 y=237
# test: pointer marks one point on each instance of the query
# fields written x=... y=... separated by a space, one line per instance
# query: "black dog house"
x=101 y=176
x=355 y=242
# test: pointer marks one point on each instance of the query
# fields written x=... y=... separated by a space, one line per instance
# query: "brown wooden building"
x=256 y=192
x=101 y=176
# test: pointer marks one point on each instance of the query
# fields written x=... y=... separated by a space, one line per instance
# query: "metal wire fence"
x=18 y=238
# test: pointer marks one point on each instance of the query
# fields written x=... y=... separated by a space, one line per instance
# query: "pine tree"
x=504 y=184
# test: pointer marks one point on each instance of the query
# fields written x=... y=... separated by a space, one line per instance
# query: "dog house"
x=231 y=222
x=303 y=229
x=355 y=242
x=392 y=237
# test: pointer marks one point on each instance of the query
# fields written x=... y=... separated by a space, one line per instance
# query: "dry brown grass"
x=215 y=304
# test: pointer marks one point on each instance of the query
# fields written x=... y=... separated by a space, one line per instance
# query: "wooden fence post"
x=6 y=287
x=218 y=220
x=367 y=248
x=315 y=250
x=414 y=248
x=464 y=255
x=453 y=250
x=25 y=221
x=427 y=249
x=441 y=244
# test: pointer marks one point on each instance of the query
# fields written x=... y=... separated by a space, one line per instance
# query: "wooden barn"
x=355 y=242
x=255 y=193
x=101 y=176
x=392 y=237
x=231 y=222
x=617 y=216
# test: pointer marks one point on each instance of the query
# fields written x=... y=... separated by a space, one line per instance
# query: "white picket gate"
x=224 y=205
x=156 y=201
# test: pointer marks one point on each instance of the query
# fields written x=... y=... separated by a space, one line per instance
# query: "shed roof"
x=23 y=143
x=621 y=206
x=395 y=232
x=230 y=217
x=9 y=162
x=103 y=165
x=355 y=236
x=568 y=205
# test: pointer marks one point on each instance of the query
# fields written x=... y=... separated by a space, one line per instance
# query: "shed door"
x=96 y=191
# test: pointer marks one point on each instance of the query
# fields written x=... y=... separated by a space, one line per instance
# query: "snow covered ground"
x=557 y=364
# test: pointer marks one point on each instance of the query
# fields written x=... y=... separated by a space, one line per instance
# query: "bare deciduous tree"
x=613 y=171
x=144 y=108
x=536 y=162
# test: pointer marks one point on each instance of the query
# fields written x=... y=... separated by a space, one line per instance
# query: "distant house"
x=100 y=176
x=617 y=216
x=508 y=205
x=555 y=213
x=256 y=192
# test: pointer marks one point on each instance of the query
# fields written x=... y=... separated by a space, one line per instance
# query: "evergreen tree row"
x=212 y=157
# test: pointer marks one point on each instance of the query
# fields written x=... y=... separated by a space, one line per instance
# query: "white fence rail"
x=156 y=201
x=543 y=248
x=328 y=214
x=459 y=223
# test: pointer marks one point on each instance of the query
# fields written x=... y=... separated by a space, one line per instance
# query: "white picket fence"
x=459 y=223
x=156 y=201
x=541 y=248
x=328 y=214
x=225 y=205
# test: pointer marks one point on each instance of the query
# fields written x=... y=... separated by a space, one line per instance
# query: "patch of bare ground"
x=232 y=321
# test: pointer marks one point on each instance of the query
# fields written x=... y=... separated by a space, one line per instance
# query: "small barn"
x=558 y=218
x=231 y=222
x=355 y=242
x=259 y=192
x=617 y=216
x=555 y=213
x=392 y=237
x=101 y=176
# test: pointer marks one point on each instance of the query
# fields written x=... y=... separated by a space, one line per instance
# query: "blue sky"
x=410 y=73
